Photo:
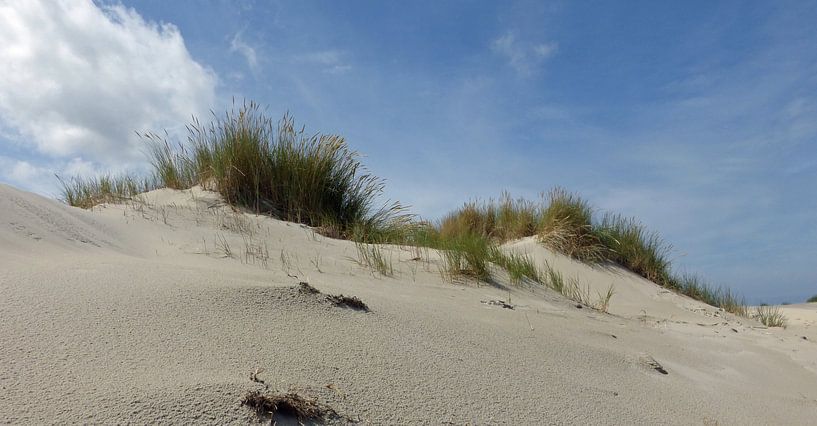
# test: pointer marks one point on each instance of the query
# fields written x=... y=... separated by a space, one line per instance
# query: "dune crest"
x=173 y=307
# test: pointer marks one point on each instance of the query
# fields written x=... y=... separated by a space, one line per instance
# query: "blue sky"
x=698 y=118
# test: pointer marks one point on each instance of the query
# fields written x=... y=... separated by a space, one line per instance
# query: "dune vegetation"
x=770 y=316
x=87 y=192
x=317 y=180
x=565 y=223
x=812 y=299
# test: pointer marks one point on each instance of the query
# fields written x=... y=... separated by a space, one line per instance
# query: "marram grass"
x=283 y=171
x=278 y=169
x=770 y=316
x=89 y=192
x=567 y=227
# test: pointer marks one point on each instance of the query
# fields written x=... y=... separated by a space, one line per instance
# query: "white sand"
x=133 y=314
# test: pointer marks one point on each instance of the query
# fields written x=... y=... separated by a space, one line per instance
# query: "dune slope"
x=159 y=310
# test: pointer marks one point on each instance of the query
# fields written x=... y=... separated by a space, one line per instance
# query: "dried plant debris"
x=305 y=288
x=342 y=301
x=649 y=361
x=254 y=377
x=289 y=404
x=501 y=303
x=348 y=302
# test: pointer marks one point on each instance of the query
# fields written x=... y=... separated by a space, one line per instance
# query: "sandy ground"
x=158 y=312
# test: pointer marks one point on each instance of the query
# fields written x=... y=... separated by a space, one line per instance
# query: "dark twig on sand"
x=342 y=301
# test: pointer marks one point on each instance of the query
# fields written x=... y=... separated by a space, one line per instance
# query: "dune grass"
x=88 y=192
x=812 y=299
x=721 y=297
x=770 y=316
x=518 y=266
x=572 y=289
x=502 y=220
x=467 y=255
x=373 y=256
x=280 y=170
x=629 y=244
x=564 y=222
x=567 y=227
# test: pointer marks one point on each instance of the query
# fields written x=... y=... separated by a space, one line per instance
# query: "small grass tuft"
x=770 y=316
x=573 y=290
x=566 y=226
x=371 y=255
x=518 y=266
x=603 y=303
x=467 y=256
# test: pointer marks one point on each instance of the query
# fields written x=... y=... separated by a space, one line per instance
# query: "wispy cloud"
x=238 y=45
x=330 y=61
x=522 y=56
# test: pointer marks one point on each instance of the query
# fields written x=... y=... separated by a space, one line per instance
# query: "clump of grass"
x=174 y=169
x=604 y=299
x=566 y=226
x=770 y=316
x=518 y=266
x=731 y=302
x=554 y=279
x=283 y=171
x=502 y=220
x=631 y=245
x=371 y=255
x=721 y=297
x=572 y=289
x=812 y=299
x=88 y=192
x=467 y=255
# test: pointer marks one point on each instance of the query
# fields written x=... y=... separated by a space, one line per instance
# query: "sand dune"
x=159 y=311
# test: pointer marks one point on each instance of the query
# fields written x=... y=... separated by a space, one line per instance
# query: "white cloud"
x=238 y=45
x=76 y=80
x=23 y=174
x=525 y=58
x=22 y=171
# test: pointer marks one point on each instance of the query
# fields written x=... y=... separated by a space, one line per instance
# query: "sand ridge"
x=160 y=309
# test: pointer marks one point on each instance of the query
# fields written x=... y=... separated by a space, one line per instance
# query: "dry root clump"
x=305 y=288
x=349 y=302
x=289 y=404
x=342 y=301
